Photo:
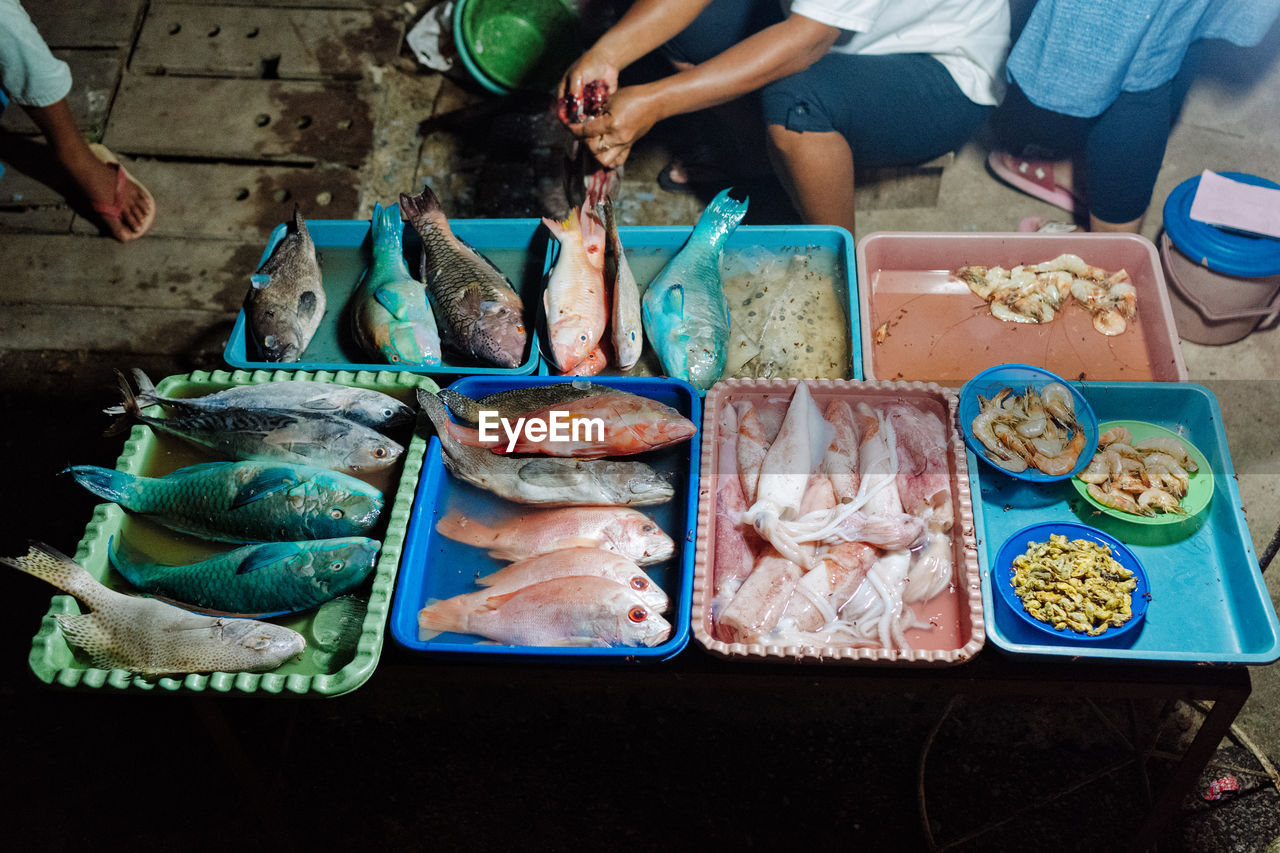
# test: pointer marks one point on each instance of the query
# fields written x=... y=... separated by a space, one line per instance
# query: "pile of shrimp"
x=1034 y=293
x=1038 y=429
x=831 y=524
x=1142 y=478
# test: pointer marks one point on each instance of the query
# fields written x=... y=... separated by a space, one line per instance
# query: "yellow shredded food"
x=1073 y=584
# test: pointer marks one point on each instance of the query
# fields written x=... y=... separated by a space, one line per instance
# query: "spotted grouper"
x=149 y=637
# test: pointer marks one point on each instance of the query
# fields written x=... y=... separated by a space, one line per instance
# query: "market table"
x=694 y=672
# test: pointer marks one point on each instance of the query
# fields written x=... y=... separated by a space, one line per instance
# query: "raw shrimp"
x=1171 y=446
x=1117 y=499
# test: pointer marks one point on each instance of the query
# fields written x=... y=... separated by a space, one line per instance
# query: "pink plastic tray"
x=959 y=631
x=939 y=331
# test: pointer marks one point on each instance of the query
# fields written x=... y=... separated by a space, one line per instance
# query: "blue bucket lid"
x=1227 y=252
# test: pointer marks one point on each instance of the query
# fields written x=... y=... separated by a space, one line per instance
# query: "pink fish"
x=576 y=562
x=575 y=302
x=571 y=611
x=606 y=424
x=620 y=530
x=591 y=365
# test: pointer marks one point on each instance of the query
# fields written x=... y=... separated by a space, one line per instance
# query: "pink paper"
x=1231 y=204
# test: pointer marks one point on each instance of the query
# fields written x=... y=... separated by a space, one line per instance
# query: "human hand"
x=631 y=114
x=585 y=89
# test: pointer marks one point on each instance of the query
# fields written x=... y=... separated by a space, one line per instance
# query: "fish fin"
x=260 y=281
x=440 y=616
x=265 y=555
x=461 y=528
x=146 y=388
x=424 y=211
x=54 y=567
x=266 y=482
x=83 y=630
x=673 y=301
x=387 y=227
x=107 y=483
x=307 y=305
x=129 y=406
x=551 y=473
x=201 y=614
x=394 y=301
x=127 y=567
x=460 y=404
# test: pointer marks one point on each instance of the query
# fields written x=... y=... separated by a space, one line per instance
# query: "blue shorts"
x=29 y=73
x=860 y=96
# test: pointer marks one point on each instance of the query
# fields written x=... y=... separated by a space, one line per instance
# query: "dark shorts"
x=894 y=109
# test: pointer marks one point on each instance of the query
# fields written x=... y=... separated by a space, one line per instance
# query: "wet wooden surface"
x=100 y=23
x=94 y=75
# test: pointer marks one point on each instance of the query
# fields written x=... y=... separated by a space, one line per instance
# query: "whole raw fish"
x=686 y=317
x=547 y=481
x=390 y=316
x=515 y=402
x=259 y=580
x=570 y=611
x=576 y=562
x=574 y=300
x=620 y=530
x=274 y=434
x=625 y=324
x=480 y=313
x=243 y=501
x=623 y=424
x=373 y=409
x=593 y=365
x=152 y=638
x=286 y=300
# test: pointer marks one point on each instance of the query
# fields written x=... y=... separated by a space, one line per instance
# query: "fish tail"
x=464 y=529
x=387 y=228
x=441 y=616
x=125 y=566
x=424 y=211
x=130 y=409
x=107 y=483
x=146 y=388
x=54 y=567
x=719 y=220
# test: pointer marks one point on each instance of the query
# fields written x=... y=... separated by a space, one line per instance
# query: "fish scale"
x=479 y=312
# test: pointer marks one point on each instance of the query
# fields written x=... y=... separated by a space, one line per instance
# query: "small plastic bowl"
x=1002 y=577
x=515 y=44
x=1199 y=488
x=1017 y=378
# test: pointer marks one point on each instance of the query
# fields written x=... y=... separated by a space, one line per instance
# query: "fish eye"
x=336 y=513
x=648 y=528
x=386 y=413
x=639 y=583
x=637 y=614
x=336 y=566
x=582 y=338
x=379 y=452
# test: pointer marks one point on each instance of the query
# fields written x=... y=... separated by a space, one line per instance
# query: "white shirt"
x=969 y=37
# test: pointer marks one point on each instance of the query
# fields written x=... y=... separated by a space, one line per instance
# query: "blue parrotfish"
x=243 y=501
x=391 y=318
x=686 y=316
x=267 y=579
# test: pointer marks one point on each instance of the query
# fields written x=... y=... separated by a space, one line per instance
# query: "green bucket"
x=516 y=44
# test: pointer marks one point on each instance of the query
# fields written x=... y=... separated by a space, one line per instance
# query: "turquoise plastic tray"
x=515 y=246
x=437 y=567
x=317 y=672
x=659 y=243
x=1209 y=603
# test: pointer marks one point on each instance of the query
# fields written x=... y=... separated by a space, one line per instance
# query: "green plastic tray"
x=317 y=672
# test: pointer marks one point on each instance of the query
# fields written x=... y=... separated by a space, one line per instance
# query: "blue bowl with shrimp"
x=1022 y=464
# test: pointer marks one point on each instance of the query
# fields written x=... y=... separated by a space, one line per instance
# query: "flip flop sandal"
x=116 y=207
x=1033 y=177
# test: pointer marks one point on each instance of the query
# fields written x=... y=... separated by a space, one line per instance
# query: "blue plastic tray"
x=436 y=567
x=1209 y=603
x=655 y=245
x=516 y=246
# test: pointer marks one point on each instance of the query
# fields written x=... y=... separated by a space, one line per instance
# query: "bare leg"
x=817 y=171
x=97 y=180
x=1063 y=174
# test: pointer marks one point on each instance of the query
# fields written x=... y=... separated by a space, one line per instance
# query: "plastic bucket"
x=1222 y=284
x=515 y=44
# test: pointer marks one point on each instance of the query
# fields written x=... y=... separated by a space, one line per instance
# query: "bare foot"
x=123 y=206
